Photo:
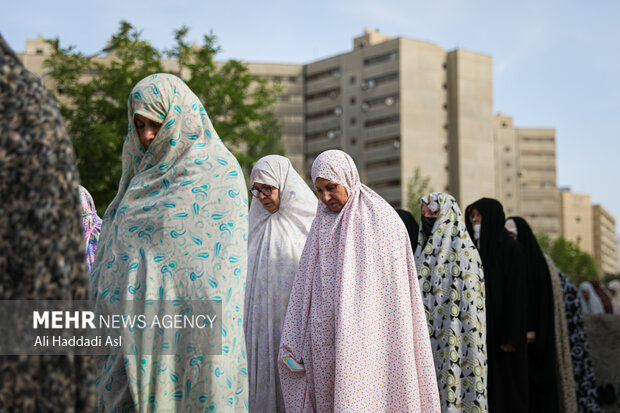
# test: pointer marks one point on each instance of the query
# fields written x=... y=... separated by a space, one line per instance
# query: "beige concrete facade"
x=397 y=104
x=576 y=220
x=604 y=237
x=525 y=174
x=470 y=108
x=289 y=107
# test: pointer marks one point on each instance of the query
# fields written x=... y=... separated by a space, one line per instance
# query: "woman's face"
x=333 y=195
x=269 y=196
x=147 y=130
x=426 y=211
x=585 y=294
x=475 y=217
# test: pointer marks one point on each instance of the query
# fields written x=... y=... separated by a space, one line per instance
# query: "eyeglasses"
x=266 y=190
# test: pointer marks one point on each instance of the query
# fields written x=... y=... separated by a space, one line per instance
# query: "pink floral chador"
x=355 y=319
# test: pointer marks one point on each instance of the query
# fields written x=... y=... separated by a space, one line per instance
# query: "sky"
x=555 y=63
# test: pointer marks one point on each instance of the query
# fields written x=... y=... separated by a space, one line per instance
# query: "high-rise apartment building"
x=576 y=223
x=604 y=237
x=397 y=104
x=289 y=106
x=525 y=174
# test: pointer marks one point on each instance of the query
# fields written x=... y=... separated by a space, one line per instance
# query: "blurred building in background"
x=399 y=104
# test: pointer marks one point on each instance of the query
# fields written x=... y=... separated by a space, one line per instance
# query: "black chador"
x=541 y=352
x=505 y=282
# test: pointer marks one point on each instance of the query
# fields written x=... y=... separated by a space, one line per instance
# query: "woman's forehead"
x=323 y=181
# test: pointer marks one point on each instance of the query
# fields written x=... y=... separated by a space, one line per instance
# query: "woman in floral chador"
x=176 y=230
x=452 y=284
x=355 y=337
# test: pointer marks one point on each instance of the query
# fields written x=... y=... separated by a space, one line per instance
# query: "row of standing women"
x=337 y=313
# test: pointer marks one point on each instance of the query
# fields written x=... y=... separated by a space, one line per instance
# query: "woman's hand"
x=531 y=337
x=508 y=348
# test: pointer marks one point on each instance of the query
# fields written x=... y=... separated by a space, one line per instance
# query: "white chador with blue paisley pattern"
x=176 y=230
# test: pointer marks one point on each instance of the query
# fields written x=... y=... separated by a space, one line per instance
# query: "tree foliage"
x=418 y=186
x=577 y=265
x=93 y=93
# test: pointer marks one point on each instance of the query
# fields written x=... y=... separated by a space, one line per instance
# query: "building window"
x=322 y=74
x=578 y=219
x=353 y=121
x=329 y=134
x=353 y=100
x=324 y=113
x=353 y=141
x=376 y=81
x=381 y=100
x=393 y=141
x=352 y=80
x=292 y=79
x=383 y=164
x=382 y=121
x=330 y=93
x=39 y=51
x=381 y=58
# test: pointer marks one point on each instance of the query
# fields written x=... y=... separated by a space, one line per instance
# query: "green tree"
x=418 y=186
x=239 y=104
x=93 y=101
x=577 y=265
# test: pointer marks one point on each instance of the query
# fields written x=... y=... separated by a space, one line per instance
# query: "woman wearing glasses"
x=281 y=214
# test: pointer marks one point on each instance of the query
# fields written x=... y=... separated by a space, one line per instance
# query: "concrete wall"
x=603 y=333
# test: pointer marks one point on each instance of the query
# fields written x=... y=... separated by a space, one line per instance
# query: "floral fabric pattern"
x=177 y=230
x=91 y=224
x=452 y=284
x=355 y=318
x=585 y=381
